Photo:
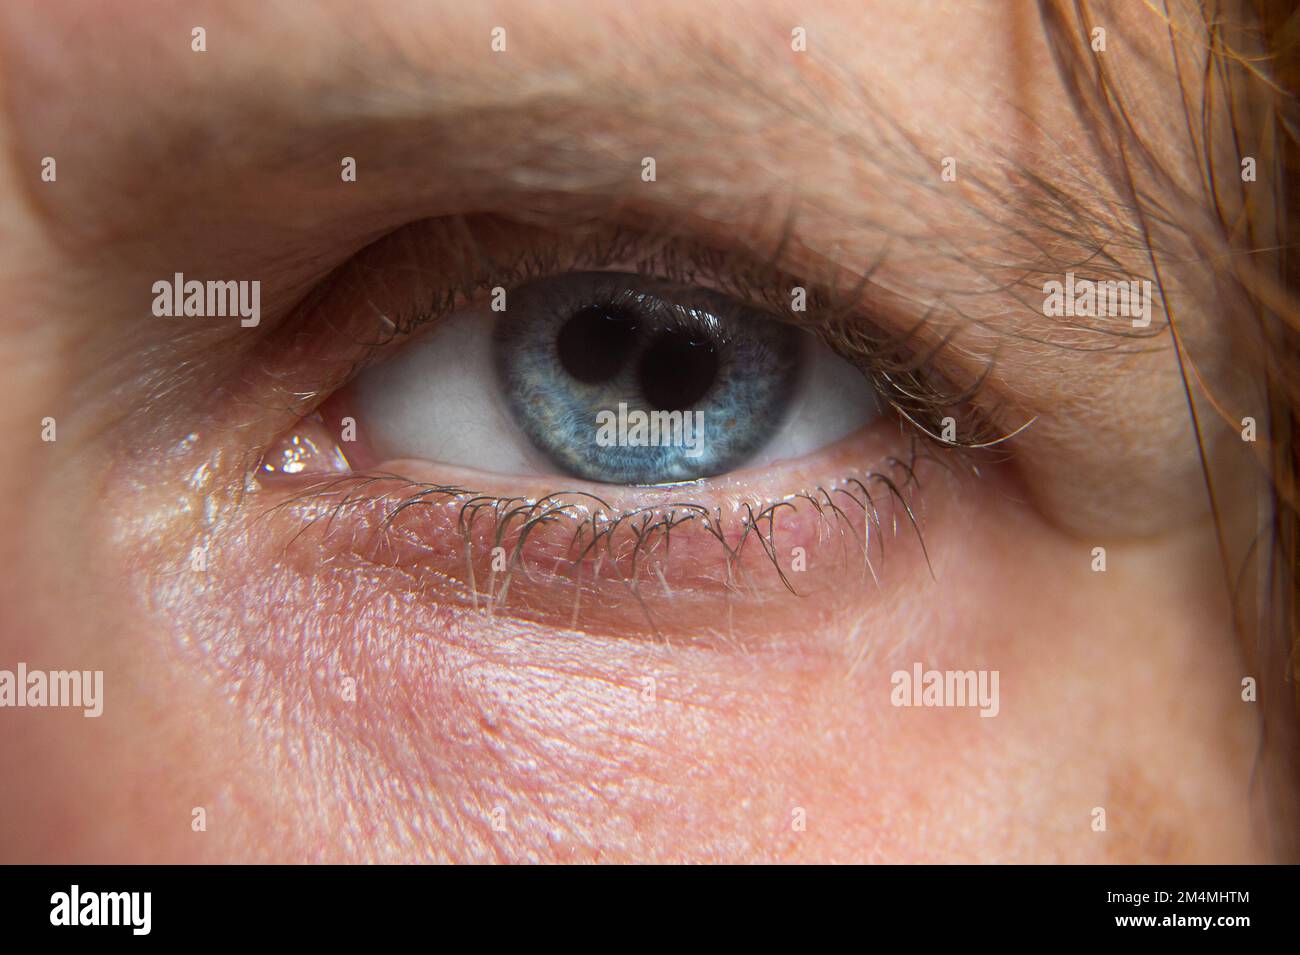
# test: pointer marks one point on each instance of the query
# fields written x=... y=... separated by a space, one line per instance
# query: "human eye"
x=628 y=425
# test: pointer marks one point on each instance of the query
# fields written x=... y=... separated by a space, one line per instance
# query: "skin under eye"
x=612 y=378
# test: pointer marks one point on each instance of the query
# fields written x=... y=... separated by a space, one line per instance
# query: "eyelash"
x=624 y=542
x=907 y=383
x=904 y=377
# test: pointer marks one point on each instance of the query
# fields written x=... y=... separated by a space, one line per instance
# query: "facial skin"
x=751 y=724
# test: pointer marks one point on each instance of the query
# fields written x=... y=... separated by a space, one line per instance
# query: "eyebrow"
x=427 y=114
x=750 y=143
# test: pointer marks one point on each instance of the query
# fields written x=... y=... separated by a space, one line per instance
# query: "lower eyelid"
x=627 y=561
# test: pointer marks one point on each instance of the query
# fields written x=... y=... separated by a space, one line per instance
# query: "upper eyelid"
x=371 y=303
x=407 y=280
x=889 y=353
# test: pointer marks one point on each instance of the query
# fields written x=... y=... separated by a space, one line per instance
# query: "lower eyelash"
x=632 y=546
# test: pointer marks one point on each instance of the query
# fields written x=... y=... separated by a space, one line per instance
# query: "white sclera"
x=833 y=400
x=438 y=399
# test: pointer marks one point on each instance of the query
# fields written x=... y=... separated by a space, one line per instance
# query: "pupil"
x=677 y=370
x=596 y=343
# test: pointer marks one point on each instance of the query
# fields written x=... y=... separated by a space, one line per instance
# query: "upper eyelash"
x=903 y=374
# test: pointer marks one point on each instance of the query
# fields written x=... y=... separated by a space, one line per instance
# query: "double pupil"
x=579 y=345
x=674 y=367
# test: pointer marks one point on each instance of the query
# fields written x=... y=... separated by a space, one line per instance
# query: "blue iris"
x=623 y=379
